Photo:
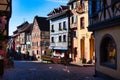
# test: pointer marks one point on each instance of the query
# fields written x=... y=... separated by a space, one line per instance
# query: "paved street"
x=25 y=70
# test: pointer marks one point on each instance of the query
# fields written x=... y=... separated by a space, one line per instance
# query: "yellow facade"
x=82 y=40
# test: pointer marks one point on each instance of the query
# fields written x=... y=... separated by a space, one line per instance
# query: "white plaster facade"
x=56 y=44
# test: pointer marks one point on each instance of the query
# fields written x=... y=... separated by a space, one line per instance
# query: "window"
x=60 y=27
x=60 y=39
x=108 y=52
x=72 y=19
x=94 y=6
x=52 y=39
x=47 y=34
x=113 y=5
x=74 y=34
x=82 y=2
x=64 y=25
x=71 y=6
x=47 y=43
x=75 y=19
x=64 y=38
x=82 y=23
x=74 y=5
x=41 y=43
x=52 y=28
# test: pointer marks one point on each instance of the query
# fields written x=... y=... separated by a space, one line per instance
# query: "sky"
x=26 y=10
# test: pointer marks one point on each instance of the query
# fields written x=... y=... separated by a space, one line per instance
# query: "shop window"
x=108 y=52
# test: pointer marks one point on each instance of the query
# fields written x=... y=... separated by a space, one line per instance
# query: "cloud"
x=58 y=1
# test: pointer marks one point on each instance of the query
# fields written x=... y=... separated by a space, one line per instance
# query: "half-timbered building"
x=40 y=36
x=104 y=21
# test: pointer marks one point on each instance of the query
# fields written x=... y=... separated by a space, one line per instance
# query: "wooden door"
x=82 y=47
x=92 y=47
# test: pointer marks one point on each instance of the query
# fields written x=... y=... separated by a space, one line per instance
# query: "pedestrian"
x=27 y=55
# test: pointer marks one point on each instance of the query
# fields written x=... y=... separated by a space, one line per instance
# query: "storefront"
x=105 y=23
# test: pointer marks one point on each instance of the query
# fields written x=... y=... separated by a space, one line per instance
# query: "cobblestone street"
x=41 y=71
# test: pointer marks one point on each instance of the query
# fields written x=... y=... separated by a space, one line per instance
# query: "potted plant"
x=83 y=60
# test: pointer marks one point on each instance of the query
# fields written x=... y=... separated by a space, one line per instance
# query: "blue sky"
x=26 y=10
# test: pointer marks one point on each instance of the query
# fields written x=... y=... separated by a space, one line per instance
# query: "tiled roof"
x=60 y=11
x=43 y=23
x=27 y=28
x=21 y=26
x=65 y=12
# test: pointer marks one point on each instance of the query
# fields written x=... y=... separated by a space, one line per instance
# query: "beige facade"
x=81 y=37
x=105 y=22
x=114 y=32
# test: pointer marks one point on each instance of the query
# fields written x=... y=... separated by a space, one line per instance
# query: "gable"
x=35 y=26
